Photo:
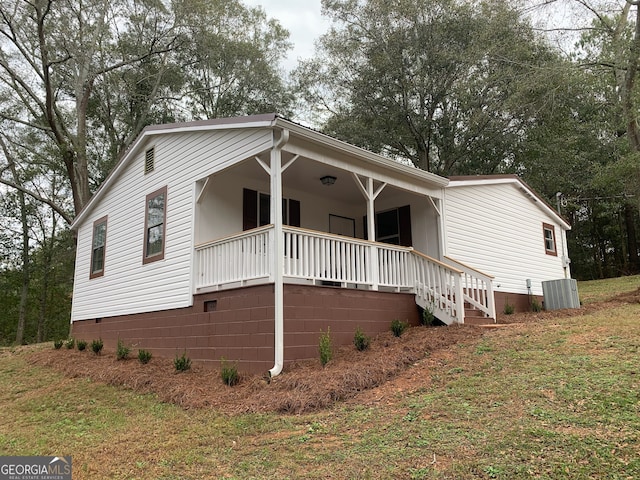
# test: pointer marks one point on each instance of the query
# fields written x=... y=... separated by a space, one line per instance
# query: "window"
x=98 y=244
x=388 y=227
x=154 y=225
x=549 y=239
x=149 y=160
x=393 y=226
x=256 y=210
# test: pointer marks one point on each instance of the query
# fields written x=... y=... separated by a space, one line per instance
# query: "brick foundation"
x=520 y=302
x=239 y=324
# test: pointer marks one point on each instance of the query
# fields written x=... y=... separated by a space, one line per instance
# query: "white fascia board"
x=523 y=187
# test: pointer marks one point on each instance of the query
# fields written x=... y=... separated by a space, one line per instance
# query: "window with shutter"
x=393 y=226
x=256 y=210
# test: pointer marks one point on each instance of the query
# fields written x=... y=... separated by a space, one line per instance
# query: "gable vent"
x=149 y=160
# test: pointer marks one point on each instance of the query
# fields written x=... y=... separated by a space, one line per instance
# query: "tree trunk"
x=24 y=291
x=628 y=101
x=44 y=290
x=47 y=250
x=630 y=214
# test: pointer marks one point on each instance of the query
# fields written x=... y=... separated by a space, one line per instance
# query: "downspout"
x=278 y=251
x=442 y=225
x=563 y=238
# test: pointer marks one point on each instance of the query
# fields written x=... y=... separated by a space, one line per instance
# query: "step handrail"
x=477 y=288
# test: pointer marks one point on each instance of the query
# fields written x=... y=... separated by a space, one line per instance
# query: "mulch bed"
x=302 y=387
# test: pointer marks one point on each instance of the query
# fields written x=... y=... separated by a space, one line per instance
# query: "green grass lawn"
x=602 y=290
x=554 y=399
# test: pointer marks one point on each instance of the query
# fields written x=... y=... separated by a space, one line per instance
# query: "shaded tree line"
x=78 y=82
x=455 y=87
x=465 y=88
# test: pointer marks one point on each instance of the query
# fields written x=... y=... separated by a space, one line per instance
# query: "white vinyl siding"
x=128 y=286
x=497 y=229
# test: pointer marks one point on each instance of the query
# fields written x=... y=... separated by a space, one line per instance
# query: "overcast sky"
x=303 y=20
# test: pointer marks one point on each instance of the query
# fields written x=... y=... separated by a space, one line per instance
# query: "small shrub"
x=182 y=363
x=57 y=344
x=398 y=327
x=122 y=351
x=536 y=306
x=96 y=346
x=229 y=373
x=81 y=344
x=427 y=318
x=360 y=340
x=508 y=309
x=70 y=343
x=325 y=347
x=144 y=356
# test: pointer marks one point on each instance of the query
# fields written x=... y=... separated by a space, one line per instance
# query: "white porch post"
x=371 y=235
x=277 y=267
x=370 y=195
x=459 y=298
x=442 y=231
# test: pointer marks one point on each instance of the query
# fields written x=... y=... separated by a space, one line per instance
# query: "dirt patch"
x=389 y=367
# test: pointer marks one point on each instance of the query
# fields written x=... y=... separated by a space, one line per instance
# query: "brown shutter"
x=294 y=213
x=249 y=209
x=404 y=221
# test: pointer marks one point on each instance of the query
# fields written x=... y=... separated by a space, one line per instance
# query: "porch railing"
x=235 y=260
x=317 y=257
x=322 y=257
x=395 y=266
x=477 y=288
x=438 y=288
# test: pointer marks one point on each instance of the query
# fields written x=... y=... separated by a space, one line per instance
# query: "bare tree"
x=53 y=53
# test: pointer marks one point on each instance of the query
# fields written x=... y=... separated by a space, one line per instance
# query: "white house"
x=498 y=224
x=244 y=237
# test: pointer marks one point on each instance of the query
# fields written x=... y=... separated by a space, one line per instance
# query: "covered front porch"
x=321 y=259
x=328 y=214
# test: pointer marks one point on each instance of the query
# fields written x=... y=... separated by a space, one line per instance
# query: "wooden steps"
x=476 y=317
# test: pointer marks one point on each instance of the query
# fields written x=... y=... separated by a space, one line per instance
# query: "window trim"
x=95 y=274
x=547 y=227
x=158 y=256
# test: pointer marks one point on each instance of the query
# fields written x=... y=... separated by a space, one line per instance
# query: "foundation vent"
x=149 y=160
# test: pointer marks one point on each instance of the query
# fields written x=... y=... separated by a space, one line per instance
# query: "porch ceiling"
x=305 y=174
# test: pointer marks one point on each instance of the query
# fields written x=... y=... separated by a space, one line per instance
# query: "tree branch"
x=37 y=197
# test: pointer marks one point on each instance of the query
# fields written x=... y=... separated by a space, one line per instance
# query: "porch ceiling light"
x=328 y=180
